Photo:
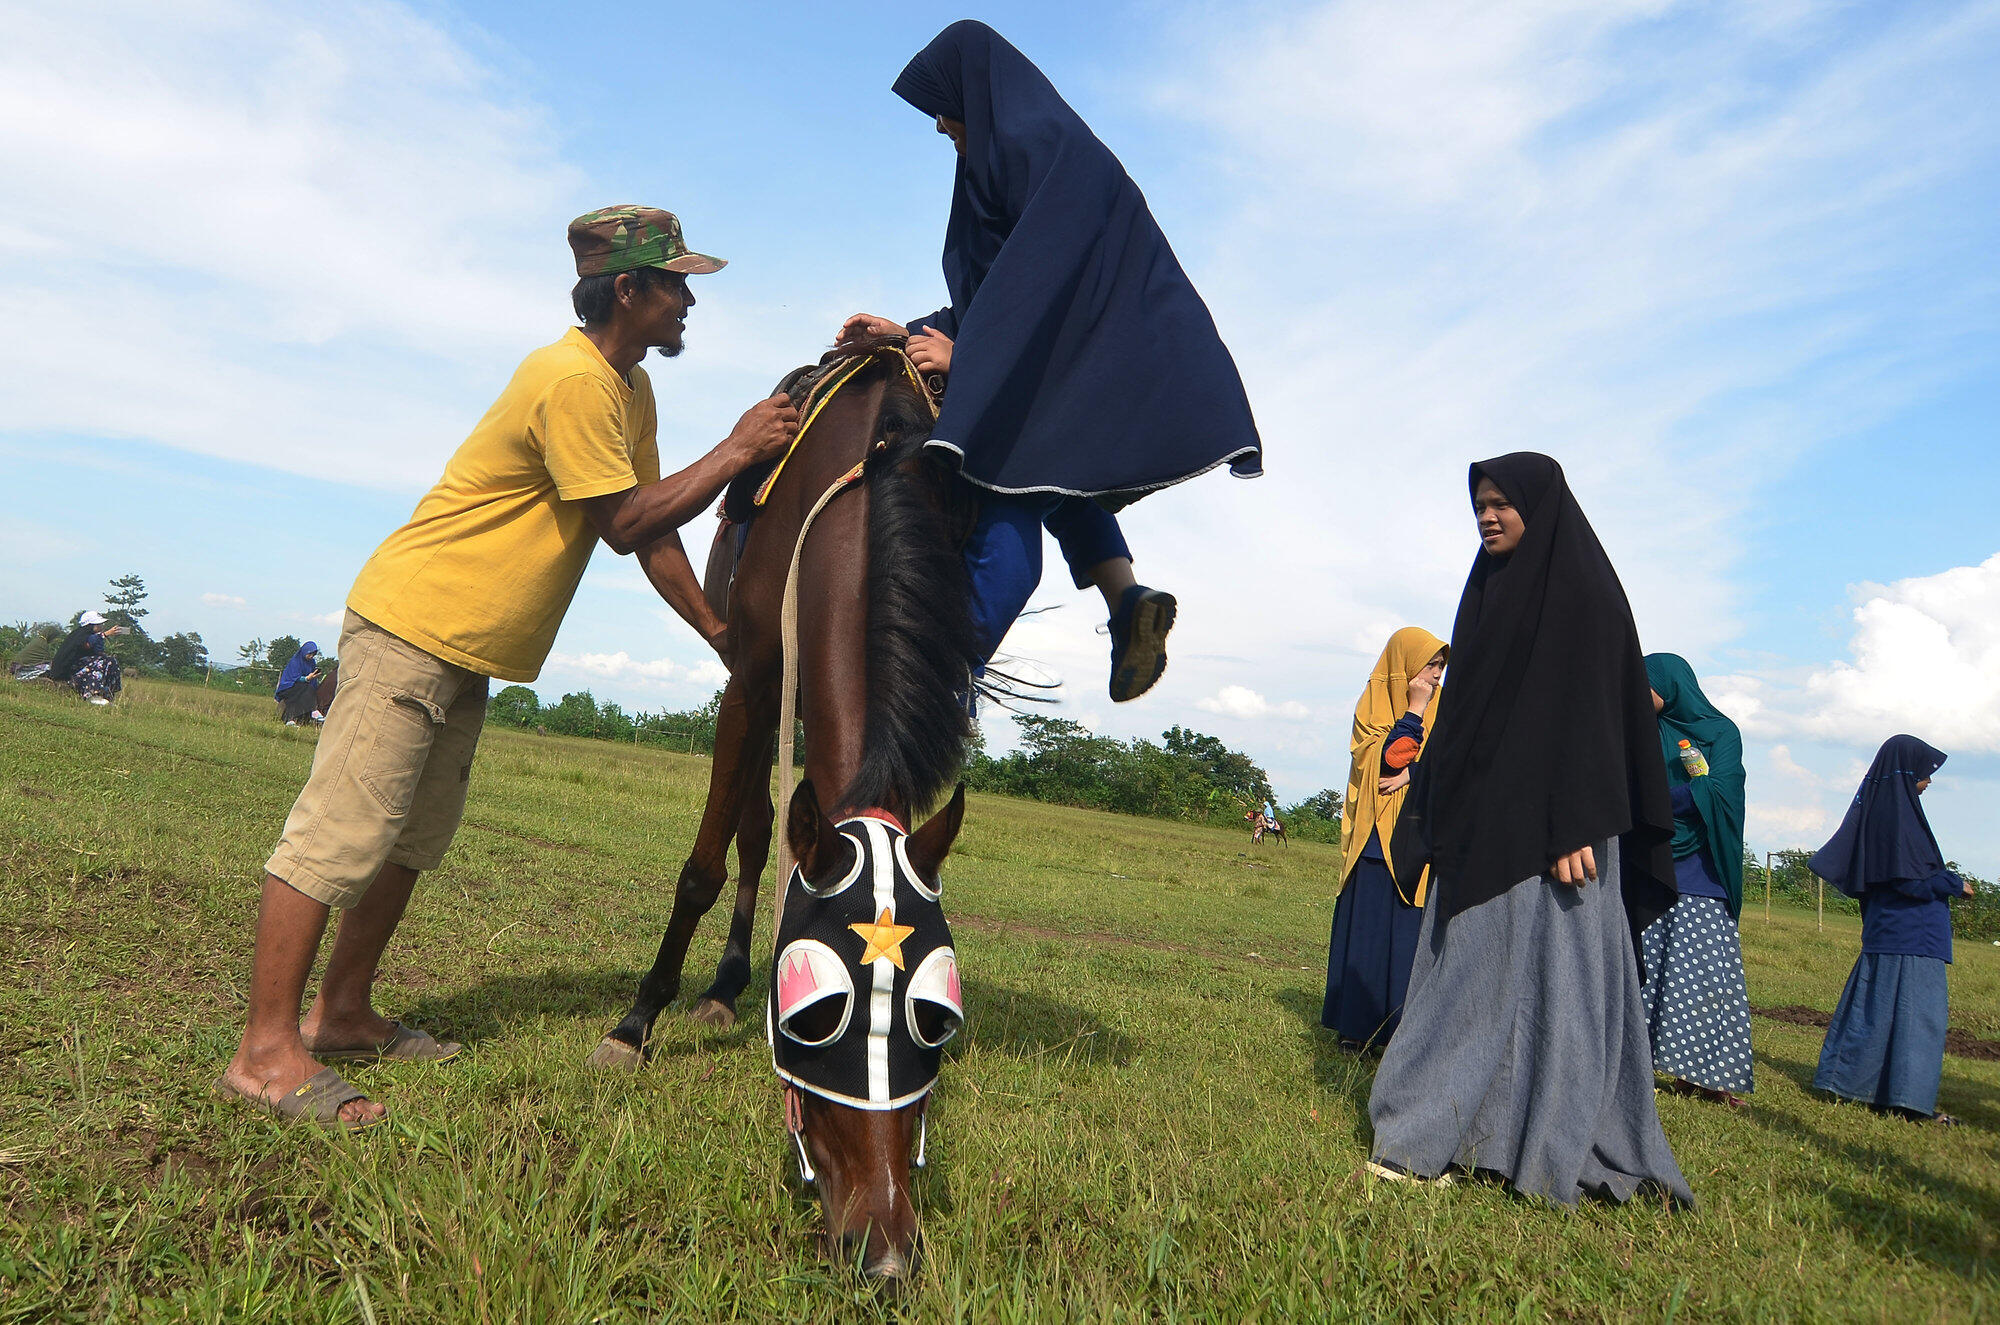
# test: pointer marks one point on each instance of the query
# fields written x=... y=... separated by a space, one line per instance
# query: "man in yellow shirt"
x=474 y=586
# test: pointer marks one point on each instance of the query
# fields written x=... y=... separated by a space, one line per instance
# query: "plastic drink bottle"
x=1692 y=761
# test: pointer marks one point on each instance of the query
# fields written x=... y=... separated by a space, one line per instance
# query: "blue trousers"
x=1003 y=555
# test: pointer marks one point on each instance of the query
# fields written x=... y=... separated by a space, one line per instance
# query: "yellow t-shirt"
x=486 y=567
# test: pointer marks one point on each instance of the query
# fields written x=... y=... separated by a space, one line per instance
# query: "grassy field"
x=1143 y=1120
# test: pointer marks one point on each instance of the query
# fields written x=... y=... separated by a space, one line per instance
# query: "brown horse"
x=1260 y=824
x=887 y=651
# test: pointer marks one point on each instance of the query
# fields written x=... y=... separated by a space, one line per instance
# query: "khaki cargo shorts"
x=389 y=778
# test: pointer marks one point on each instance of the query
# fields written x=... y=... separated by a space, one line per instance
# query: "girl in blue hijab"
x=1885 y=1047
x=297 y=691
x=1084 y=369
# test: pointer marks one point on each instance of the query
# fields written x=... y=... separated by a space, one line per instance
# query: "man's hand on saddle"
x=930 y=352
x=763 y=433
x=863 y=325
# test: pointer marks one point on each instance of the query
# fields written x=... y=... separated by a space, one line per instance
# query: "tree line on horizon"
x=1187 y=775
x=183 y=656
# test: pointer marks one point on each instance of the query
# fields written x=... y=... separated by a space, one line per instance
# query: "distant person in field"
x=297 y=691
x=1376 y=919
x=1542 y=809
x=82 y=662
x=1697 y=1005
x=472 y=587
x=1885 y=1047
x=1084 y=369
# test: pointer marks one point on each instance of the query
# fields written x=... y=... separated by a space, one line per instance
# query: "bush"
x=516 y=706
x=1189 y=776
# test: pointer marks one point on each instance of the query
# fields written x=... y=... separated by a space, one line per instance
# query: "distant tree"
x=1226 y=768
x=516 y=706
x=574 y=715
x=184 y=655
x=1314 y=819
x=124 y=602
x=612 y=723
x=123 y=598
x=250 y=662
x=279 y=652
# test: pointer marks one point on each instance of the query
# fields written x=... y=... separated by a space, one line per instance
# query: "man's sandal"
x=318 y=1099
x=405 y=1044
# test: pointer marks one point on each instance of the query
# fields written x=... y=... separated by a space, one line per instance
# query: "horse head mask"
x=865 y=989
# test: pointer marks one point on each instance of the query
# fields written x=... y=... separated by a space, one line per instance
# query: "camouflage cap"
x=625 y=238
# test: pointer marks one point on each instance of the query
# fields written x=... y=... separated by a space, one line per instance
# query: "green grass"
x=1143 y=1120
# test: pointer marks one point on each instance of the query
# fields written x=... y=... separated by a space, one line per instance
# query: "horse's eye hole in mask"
x=937 y=1005
x=815 y=993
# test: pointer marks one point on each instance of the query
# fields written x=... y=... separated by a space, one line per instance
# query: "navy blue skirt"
x=1368 y=961
x=1886 y=1044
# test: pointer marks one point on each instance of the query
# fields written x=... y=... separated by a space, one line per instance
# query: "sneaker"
x=291 y=722
x=99 y=699
x=318 y=716
x=1139 y=641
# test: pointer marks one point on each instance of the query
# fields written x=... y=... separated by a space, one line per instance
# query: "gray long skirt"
x=1523 y=1050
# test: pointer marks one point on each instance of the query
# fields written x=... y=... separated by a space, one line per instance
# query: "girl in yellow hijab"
x=1375 y=922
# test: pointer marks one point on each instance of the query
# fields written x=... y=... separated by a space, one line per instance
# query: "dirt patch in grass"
x=1958 y=1043
x=36 y=793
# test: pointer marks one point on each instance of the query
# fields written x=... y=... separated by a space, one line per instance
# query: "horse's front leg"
x=700 y=884
x=717 y=1006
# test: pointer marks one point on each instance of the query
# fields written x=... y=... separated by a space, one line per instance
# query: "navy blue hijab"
x=298 y=668
x=1885 y=836
x=1083 y=360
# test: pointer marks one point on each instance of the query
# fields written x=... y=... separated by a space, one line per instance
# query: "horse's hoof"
x=709 y=1012
x=616 y=1056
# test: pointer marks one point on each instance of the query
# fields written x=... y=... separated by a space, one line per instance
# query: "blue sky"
x=261 y=267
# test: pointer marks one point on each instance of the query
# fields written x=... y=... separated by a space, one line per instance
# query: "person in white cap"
x=81 y=660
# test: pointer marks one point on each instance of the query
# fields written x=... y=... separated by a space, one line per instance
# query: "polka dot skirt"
x=1696 y=1004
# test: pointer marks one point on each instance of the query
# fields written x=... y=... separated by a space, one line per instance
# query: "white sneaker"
x=291 y=722
x=318 y=716
x=99 y=699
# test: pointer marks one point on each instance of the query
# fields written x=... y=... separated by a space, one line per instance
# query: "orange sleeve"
x=1402 y=752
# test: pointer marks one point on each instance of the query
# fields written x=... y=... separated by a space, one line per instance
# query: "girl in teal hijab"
x=1696 y=1002
x=1686 y=714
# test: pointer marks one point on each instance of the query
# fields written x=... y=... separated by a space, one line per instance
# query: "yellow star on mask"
x=884 y=938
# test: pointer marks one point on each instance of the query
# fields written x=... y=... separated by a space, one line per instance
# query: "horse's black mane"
x=923 y=648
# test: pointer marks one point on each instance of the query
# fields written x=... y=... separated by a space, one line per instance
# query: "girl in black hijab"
x=1541 y=805
x=1085 y=371
x=1885 y=1047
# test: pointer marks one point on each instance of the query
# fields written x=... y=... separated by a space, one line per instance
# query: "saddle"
x=810 y=386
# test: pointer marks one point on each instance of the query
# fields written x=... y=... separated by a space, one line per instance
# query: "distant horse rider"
x=297 y=691
x=1085 y=371
x=474 y=586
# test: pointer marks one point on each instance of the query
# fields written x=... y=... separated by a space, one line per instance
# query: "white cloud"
x=1235 y=701
x=623 y=667
x=326 y=219
x=1924 y=658
x=1662 y=243
x=223 y=600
